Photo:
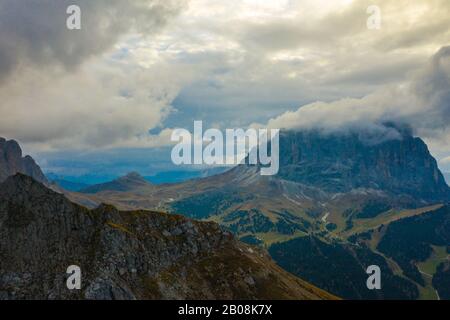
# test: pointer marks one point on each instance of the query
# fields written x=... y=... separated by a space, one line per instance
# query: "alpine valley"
x=340 y=203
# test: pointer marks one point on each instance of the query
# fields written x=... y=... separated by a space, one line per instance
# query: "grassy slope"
x=362 y=225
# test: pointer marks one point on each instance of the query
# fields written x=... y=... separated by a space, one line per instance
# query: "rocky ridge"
x=126 y=255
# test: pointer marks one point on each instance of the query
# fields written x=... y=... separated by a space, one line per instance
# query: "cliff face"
x=345 y=162
x=12 y=162
x=126 y=255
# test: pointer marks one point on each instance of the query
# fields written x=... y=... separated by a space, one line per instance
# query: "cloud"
x=100 y=106
x=258 y=59
x=422 y=103
x=33 y=33
x=432 y=87
x=82 y=89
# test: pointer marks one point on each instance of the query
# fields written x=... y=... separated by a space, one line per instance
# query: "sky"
x=107 y=97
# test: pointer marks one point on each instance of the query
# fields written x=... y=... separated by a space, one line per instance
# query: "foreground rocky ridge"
x=126 y=255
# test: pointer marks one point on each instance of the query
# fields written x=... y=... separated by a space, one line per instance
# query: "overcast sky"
x=139 y=68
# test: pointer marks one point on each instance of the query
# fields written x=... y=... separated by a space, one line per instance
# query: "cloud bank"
x=422 y=103
x=72 y=89
x=265 y=57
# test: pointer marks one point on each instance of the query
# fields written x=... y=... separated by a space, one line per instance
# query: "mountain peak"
x=341 y=163
x=131 y=181
x=134 y=176
x=12 y=162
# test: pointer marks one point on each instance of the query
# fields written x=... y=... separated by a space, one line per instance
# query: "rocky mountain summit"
x=126 y=255
x=12 y=162
x=341 y=163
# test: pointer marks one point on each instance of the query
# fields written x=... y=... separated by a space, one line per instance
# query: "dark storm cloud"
x=34 y=32
x=433 y=88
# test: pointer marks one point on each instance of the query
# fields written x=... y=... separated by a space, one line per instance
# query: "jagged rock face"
x=12 y=162
x=340 y=163
x=126 y=255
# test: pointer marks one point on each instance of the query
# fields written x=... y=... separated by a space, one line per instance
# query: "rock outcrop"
x=12 y=162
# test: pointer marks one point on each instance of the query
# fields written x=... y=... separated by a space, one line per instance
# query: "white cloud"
x=99 y=106
x=258 y=59
x=422 y=103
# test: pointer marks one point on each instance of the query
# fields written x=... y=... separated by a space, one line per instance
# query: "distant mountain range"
x=178 y=176
x=69 y=185
x=129 y=182
x=83 y=182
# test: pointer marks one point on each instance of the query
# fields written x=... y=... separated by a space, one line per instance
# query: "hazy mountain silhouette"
x=12 y=162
